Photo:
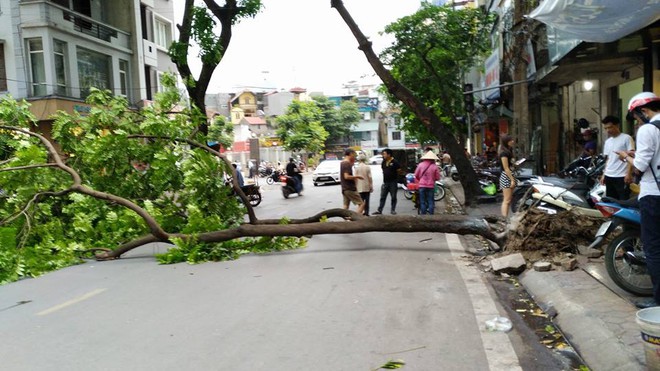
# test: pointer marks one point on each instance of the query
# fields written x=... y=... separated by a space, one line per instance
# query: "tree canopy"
x=432 y=50
x=300 y=128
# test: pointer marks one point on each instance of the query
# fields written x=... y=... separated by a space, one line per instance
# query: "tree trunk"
x=466 y=172
x=458 y=224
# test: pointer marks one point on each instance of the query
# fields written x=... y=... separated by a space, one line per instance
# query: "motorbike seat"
x=568 y=184
x=631 y=203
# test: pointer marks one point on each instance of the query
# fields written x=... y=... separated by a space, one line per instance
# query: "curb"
x=598 y=323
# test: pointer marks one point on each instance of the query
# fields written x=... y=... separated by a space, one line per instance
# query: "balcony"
x=42 y=13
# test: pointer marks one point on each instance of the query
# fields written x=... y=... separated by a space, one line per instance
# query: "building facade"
x=53 y=52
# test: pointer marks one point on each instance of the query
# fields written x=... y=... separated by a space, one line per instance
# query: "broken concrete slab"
x=509 y=264
x=589 y=252
x=542 y=266
x=569 y=264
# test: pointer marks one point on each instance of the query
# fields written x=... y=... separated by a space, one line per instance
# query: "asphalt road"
x=346 y=302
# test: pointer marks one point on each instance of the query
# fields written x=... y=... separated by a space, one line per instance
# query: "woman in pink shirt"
x=427 y=173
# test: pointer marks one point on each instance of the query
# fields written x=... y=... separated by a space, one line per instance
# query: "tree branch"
x=29 y=167
x=36 y=198
x=252 y=217
x=78 y=187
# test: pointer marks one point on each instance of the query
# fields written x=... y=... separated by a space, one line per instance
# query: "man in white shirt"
x=645 y=108
x=617 y=174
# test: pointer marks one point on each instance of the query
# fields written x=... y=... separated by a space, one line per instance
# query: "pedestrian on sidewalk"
x=426 y=173
x=365 y=185
x=391 y=172
x=617 y=174
x=347 y=179
x=645 y=108
x=507 y=181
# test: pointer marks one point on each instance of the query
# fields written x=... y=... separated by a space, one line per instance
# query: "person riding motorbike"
x=293 y=171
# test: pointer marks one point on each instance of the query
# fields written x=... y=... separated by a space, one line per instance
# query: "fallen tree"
x=118 y=179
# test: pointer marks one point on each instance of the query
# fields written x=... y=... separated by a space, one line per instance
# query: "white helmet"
x=641 y=99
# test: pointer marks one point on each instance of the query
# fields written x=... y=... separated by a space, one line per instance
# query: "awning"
x=598 y=21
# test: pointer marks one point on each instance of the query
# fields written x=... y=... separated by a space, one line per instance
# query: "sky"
x=302 y=43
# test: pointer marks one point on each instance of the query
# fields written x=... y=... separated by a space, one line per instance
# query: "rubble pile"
x=562 y=232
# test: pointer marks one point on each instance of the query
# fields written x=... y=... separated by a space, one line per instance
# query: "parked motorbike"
x=273 y=177
x=552 y=194
x=408 y=192
x=624 y=256
x=290 y=184
x=265 y=171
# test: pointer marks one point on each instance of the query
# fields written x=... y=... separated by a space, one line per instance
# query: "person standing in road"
x=507 y=181
x=617 y=175
x=645 y=108
x=365 y=185
x=391 y=171
x=347 y=179
x=427 y=173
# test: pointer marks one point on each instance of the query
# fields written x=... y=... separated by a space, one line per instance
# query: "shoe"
x=393 y=212
x=377 y=212
x=645 y=303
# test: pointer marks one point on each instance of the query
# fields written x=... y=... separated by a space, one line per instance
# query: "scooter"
x=552 y=194
x=290 y=185
x=624 y=256
x=408 y=192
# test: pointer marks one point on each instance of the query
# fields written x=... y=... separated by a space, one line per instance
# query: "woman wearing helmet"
x=645 y=108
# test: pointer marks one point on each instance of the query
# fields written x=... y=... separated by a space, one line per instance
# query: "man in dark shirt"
x=293 y=171
x=391 y=171
x=347 y=179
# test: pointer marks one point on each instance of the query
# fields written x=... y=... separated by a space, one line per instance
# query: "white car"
x=376 y=160
x=326 y=173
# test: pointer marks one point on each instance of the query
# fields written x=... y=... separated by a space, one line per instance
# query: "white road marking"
x=70 y=302
x=498 y=348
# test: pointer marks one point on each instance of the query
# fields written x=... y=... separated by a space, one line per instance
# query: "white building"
x=53 y=51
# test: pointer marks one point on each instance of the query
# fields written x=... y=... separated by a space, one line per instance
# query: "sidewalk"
x=597 y=319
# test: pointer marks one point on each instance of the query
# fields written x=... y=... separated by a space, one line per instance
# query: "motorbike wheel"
x=285 y=192
x=519 y=201
x=270 y=180
x=633 y=278
x=407 y=194
x=255 y=199
x=439 y=193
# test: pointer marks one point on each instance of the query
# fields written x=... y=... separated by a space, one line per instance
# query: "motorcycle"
x=624 y=256
x=439 y=191
x=290 y=185
x=552 y=194
x=273 y=177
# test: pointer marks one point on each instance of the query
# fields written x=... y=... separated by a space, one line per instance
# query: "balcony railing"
x=39 y=13
x=91 y=28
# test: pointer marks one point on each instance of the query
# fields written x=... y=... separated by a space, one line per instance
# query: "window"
x=37 y=67
x=396 y=135
x=162 y=33
x=59 y=57
x=123 y=78
x=93 y=71
x=161 y=88
x=3 y=69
